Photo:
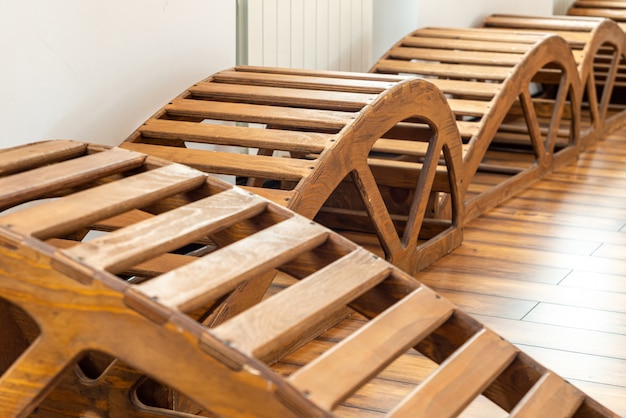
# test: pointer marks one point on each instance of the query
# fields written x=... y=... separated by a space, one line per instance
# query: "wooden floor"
x=547 y=270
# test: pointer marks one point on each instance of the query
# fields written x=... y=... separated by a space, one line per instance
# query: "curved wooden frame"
x=329 y=125
x=598 y=46
x=488 y=83
x=133 y=295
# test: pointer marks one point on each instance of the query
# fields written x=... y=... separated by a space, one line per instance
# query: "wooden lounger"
x=512 y=133
x=377 y=158
x=116 y=323
x=598 y=45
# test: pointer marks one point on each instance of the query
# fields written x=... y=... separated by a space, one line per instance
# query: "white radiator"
x=311 y=34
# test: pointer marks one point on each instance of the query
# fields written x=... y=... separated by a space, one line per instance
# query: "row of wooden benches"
x=447 y=124
x=134 y=286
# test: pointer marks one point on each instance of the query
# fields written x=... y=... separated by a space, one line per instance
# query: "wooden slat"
x=142 y=241
x=221 y=271
x=122 y=220
x=608 y=4
x=462 y=88
x=576 y=40
x=84 y=208
x=542 y=23
x=266 y=327
x=28 y=156
x=304 y=81
x=217 y=162
x=479 y=35
x=444 y=70
x=404 y=174
x=464 y=375
x=154 y=267
x=280 y=96
x=448 y=56
x=401 y=147
x=617 y=15
x=360 y=76
x=270 y=115
x=463 y=107
x=552 y=397
x=236 y=135
x=467 y=88
x=466 y=45
x=45 y=180
x=357 y=358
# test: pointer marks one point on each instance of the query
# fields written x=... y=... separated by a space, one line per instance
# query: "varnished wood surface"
x=301 y=137
x=547 y=270
x=490 y=71
x=80 y=333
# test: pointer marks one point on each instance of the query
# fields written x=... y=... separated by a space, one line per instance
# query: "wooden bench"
x=114 y=270
x=377 y=158
x=598 y=45
x=512 y=134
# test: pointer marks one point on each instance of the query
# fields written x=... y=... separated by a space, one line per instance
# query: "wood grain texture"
x=207 y=320
x=46 y=180
x=463 y=367
x=557 y=399
x=82 y=208
x=354 y=361
x=301 y=137
x=190 y=286
x=570 y=308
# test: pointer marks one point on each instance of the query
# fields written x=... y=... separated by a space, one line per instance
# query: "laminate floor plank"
x=479 y=266
x=510 y=308
x=531 y=240
x=617 y=252
x=580 y=318
x=592 y=343
x=549 y=232
x=597 y=281
x=601 y=374
x=541 y=257
x=476 y=284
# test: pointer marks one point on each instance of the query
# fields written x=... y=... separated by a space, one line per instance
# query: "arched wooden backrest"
x=115 y=323
x=512 y=135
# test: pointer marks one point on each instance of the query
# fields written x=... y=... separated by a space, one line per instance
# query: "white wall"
x=95 y=70
x=394 y=19
x=458 y=13
x=561 y=6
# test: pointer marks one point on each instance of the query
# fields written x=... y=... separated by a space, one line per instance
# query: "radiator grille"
x=311 y=34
